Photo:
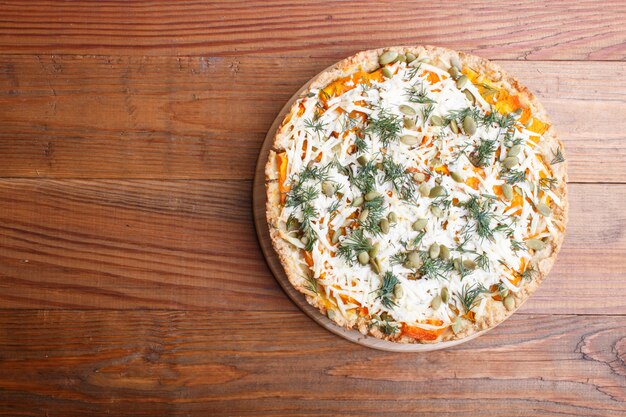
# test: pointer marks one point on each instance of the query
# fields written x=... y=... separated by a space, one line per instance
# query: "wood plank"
x=192 y=245
x=148 y=363
x=154 y=244
x=205 y=118
x=533 y=30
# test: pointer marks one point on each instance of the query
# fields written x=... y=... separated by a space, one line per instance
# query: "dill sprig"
x=513 y=176
x=434 y=268
x=311 y=284
x=341 y=168
x=324 y=95
x=365 y=85
x=493 y=117
x=300 y=195
x=516 y=245
x=365 y=177
x=444 y=202
x=306 y=226
x=529 y=273
x=385 y=323
x=354 y=244
x=504 y=229
x=418 y=94
x=469 y=295
x=399 y=178
x=375 y=210
x=417 y=240
x=488 y=90
x=334 y=206
x=546 y=183
x=502 y=289
x=292 y=222
x=314 y=172
x=399 y=258
x=480 y=212
x=461 y=246
x=459 y=151
x=488 y=119
x=387 y=328
x=412 y=72
x=460 y=114
x=558 y=157
x=482 y=154
x=482 y=261
x=386 y=126
x=385 y=292
x=427 y=111
x=361 y=144
x=319 y=108
x=348 y=122
x=315 y=125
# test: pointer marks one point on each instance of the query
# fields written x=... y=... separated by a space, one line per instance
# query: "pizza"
x=416 y=194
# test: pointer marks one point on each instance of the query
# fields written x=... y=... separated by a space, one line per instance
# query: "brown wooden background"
x=131 y=281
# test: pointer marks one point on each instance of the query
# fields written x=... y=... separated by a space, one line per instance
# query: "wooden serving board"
x=260 y=222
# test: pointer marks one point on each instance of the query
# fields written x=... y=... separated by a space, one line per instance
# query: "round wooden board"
x=258 y=206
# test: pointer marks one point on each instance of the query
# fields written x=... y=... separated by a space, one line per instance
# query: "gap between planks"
x=231 y=310
x=193 y=180
x=279 y=56
x=156 y=118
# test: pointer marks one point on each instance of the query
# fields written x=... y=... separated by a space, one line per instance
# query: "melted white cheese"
x=358 y=284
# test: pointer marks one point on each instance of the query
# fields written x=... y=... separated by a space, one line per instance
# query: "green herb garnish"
x=482 y=261
x=361 y=144
x=311 y=284
x=418 y=94
x=434 y=268
x=412 y=72
x=427 y=111
x=365 y=177
x=469 y=295
x=315 y=125
x=460 y=114
x=386 y=126
x=399 y=178
x=354 y=244
x=503 y=121
x=516 y=245
x=482 y=154
x=387 y=328
x=399 y=258
x=529 y=273
x=375 y=210
x=385 y=292
x=480 y=212
x=558 y=157
x=546 y=184
x=513 y=176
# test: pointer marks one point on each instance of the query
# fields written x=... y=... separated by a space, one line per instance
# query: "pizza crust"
x=494 y=311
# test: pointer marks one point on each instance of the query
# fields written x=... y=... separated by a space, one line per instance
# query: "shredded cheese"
x=328 y=144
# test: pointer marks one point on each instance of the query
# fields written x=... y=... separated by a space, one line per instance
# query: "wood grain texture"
x=131 y=281
x=530 y=30
x=191 y=245
x=155 y=363
x=205 y=118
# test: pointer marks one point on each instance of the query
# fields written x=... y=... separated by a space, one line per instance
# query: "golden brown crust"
x=494 y=312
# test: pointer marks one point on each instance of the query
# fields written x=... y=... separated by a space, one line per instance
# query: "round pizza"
x=417 y=194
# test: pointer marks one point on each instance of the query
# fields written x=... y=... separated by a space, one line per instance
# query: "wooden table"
x=131 y=280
